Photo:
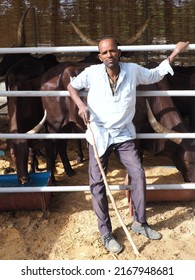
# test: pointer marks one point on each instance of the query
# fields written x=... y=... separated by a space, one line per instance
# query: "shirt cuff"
x=165 y=68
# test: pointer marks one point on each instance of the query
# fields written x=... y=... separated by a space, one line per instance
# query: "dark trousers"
x=128 y=156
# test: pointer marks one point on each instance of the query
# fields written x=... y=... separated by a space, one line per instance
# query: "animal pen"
x=188 y=188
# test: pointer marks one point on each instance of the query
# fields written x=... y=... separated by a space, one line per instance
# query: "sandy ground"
x=70 y=230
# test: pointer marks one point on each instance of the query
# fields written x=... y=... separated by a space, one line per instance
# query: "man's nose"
x=109 y=54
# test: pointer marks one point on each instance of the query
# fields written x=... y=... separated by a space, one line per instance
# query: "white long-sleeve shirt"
x=111 y=115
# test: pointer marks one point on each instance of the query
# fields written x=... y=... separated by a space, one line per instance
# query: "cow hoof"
x=9 y=170
x=24 y=181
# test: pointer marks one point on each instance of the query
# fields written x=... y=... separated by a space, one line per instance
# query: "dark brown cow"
x=182 y=151
x=62 y=111
x=62 y=114
x=183 y=79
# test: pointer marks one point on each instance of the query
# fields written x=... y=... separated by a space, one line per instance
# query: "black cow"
x=24 y=72
x=24 y=112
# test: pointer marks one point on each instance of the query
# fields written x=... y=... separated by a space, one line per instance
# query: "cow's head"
x=86 y=39
x=184 y=159
x=89 y=41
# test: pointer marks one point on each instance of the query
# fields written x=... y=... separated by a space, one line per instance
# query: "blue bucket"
x=25 y=201
x=36 y=180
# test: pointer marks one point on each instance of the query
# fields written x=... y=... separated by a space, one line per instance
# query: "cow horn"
x=3 y=105
x=91 y=42
x=38 y=127
x=134 y=38
x=21 y=32
x=158 y=127
x=83 y=37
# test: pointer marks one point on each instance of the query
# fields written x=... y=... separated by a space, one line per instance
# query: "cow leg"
x=80 y=157
x=33 y=161
x=12 y=164
x=62 y=149
x=50 y=147
x=21 y=152
x=76 y=128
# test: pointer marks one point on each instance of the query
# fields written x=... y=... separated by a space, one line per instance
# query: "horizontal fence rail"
x=22 y=189
x=68 y=49
x=140 y=93
x=82 y=135
x=73 y=49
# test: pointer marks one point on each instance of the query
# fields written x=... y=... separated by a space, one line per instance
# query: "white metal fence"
x=62 y=50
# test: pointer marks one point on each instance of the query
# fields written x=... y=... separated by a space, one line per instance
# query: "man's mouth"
x=110 y=60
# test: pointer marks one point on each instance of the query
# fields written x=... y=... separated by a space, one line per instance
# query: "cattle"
x=23 y=72
x=24 y=112
x=182 y=151
x=183 y=79
x=63 y=115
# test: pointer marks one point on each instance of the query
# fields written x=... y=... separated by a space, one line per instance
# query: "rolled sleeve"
x=165 y=68
x=81 y=81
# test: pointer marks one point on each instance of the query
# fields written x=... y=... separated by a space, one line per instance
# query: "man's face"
x=109 y=53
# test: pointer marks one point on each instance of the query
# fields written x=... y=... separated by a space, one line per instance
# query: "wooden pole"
x=110 y=194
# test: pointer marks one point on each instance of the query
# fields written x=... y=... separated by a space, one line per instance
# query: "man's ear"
x=99 y=56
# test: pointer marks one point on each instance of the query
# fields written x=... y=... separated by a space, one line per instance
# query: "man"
x=110 y=110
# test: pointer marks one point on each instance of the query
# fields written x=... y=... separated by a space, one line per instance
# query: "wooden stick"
x=110 y=194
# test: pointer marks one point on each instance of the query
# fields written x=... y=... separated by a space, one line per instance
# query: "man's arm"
x=180 y=47
x=83 y=110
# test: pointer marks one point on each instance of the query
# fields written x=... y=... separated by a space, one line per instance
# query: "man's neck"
x=113 y=72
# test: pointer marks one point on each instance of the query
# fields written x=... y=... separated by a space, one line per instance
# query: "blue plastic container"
x=36 y=179
x=25 y=201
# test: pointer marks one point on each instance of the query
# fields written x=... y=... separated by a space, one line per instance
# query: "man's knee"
x=138 y=179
